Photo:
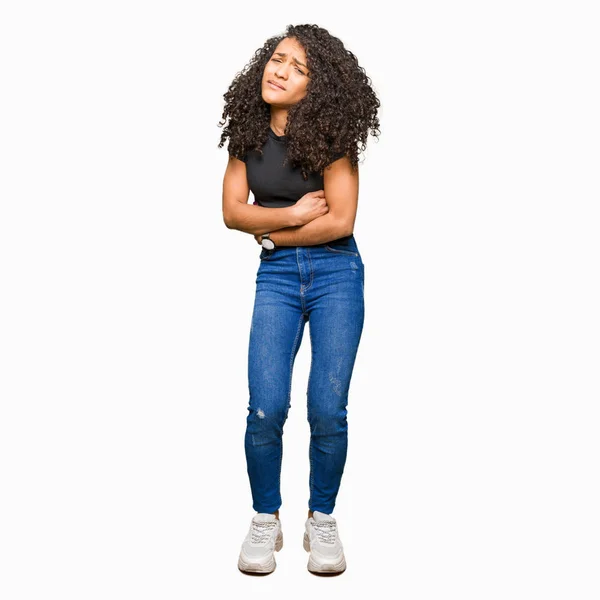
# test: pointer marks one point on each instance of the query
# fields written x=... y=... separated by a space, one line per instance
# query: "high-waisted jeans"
x=323 y=285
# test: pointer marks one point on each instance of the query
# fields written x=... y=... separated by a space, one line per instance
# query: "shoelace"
x=261 y=531
x=326 y=531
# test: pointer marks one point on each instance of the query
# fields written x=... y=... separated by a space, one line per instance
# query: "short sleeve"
x=243 y=158
x=337 y=156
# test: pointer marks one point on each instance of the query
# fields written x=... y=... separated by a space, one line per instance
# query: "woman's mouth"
x=275 y=86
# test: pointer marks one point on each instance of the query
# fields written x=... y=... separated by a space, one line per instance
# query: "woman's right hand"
x=310 y=206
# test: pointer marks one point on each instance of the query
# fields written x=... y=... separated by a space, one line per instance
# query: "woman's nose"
x=281 y=72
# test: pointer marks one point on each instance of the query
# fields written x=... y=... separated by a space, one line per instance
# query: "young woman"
x=296 y=115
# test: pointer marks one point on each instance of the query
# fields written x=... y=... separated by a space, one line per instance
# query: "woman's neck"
x=279 y=121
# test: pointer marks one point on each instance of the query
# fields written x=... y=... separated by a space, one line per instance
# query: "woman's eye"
x=297 y=69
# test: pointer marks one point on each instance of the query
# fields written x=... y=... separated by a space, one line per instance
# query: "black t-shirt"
x=276 y=185
x=273 y=184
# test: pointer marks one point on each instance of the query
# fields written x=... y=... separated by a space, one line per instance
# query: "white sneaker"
x=264 y=536
x=321 y=539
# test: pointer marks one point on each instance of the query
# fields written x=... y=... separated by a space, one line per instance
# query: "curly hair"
x=337 y=113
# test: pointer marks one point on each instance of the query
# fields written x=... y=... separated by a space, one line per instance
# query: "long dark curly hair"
x=335 y=116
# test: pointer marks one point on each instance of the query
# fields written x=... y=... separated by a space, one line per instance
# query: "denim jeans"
x=323 y=285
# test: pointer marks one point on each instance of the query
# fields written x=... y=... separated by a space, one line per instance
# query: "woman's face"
x=287 y=69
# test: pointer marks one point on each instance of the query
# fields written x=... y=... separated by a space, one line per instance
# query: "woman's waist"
x=343 y=241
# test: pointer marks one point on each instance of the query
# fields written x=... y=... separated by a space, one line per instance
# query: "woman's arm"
x=250 y=218
x=320 y=230
x=257 y=220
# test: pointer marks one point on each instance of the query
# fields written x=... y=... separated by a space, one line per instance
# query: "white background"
x=473 y=458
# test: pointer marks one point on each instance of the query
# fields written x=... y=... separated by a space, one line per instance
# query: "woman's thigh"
x=335 y=330
x=275 y=336
x=336 y=318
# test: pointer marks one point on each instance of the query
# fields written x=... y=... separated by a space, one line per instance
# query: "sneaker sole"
x=315 y=567
x=256 y=567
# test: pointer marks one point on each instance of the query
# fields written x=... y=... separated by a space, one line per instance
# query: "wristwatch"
x=267 y=242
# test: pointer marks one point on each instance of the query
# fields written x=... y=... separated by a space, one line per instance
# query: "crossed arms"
x=288 y=226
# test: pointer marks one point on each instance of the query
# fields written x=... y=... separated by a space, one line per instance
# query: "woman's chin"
x=269 y=99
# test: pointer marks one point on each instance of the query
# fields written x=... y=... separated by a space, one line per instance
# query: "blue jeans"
x=323 y=285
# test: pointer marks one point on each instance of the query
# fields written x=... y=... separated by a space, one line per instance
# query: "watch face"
x=268 y=244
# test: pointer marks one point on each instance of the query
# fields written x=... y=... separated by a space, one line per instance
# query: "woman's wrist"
x=292 y=217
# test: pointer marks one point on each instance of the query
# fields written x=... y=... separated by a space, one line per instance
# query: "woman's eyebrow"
x=293 y=58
